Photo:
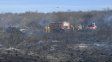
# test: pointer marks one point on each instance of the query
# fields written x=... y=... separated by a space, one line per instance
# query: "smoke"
x=108 y=20
x=43 y=23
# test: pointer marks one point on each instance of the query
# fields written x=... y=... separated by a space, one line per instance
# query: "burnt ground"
x=61 y=47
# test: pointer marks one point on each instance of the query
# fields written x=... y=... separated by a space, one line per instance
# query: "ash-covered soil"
x=60 y=47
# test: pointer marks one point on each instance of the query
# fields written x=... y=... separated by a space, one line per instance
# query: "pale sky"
x=53 y=5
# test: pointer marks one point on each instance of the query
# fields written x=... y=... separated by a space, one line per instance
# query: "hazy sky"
x=53 y=5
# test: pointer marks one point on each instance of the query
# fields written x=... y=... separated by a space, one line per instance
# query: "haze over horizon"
x=53 y=5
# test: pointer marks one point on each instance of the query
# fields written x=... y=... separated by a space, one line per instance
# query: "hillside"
x=23 y=39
